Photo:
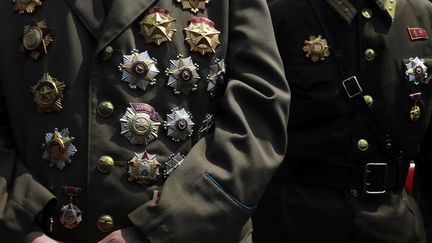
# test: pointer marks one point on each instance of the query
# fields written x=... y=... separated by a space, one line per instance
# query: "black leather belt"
x=372 y=178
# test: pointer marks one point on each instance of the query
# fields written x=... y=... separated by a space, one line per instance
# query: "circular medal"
x=70 y=216
x=316 y=48
x=48 y=94
x=36 y=39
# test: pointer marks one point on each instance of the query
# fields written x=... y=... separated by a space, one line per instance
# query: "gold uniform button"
x=369 y=54
x=105 y=109
x=367 y=13
x=107 y=53
x=363 y=144
x=105 y=223
x=105 y=164
x=369 y=100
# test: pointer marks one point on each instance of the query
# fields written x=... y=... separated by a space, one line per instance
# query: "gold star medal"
x=26 y=6
x=194 y=5
x=202 y=36
x=316 y=48
x=36 y=39
x=143 y=168
x=58 y=148
x=183 y=75
x=157 y=26
x=48 y=94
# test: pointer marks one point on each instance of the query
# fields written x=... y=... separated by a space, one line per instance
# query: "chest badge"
x=157 y=26
x=48 y=94
x=179 y=124
x=201 y=35
x=316 y=48
x=58 y=148
x=216 y=76
x=139 y=70
x=416 y=71
x=143 y=168
x=140 y=123
x=418 y=34
x=171 y=165
x=194 y=5
x=183 y=75
x=36 y=39
x=70 y=214
x=415 y=112
x=26 y=6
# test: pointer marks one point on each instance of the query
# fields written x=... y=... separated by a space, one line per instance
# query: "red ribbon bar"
x=409 y=183
x=159 y=10
x=418 y=34
x=144 y=108
x=72 y=191
x=202 y=20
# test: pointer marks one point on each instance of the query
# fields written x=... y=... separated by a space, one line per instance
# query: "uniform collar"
x=346 y=10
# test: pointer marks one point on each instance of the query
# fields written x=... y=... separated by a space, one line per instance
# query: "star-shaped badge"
x=171 y=165
x=143 y=168
x=36 y=39
x=26 y=6
x=316 y=48
x=179 y=124
x=416 y=71
x=48 y=94
x=157 y=26
x=202 y=36
x=194 y=5
x=183 y=75
x=58 y=148
x=139 y=70
x=216 y=76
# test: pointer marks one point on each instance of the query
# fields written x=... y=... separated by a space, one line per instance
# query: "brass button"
x=354 y=193
x=369 y=100
x=107 y=53
x=369 y=54
x=367 y=13
x=105 y=223
x=105 y=164
x=363 y=144
x=105 y=109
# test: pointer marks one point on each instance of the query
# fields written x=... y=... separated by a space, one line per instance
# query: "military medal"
x=202 y=36
x=194 y=5
x=26 y=6
x=174 y=161
x=143 y=168
x=206 y=124
x=416 y=71
x=140 y=123
x=179 y=124
x=183 y=75
x=216 y=76
x=70 y=214
x=139 y=70
x=157 y=26
x=58 y=148
x=415 y=112
x=36 y=39
x=316 y=48
x=48 y=94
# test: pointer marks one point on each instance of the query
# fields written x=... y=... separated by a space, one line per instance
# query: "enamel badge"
x=174 y=161
x=157 y=26
x=216 y=76
x=70 y=214
x=206 y=125
x=194 y=5
x=415 y=112
x=316 y=48
x=183 y=75
x=416 y=71
x=139 y=70
x=36 y=39
x=143 y=169
x=179 y=124
x=140 y=123
x=48 y=94
x=58 y=148
x=202 y=36
x=26 y=6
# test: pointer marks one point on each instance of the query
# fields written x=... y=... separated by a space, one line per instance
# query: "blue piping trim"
x=242 y=205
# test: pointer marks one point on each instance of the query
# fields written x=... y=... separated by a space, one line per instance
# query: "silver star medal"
x=58 y=148
x=172 y=164
x=143 y=168
x=183 y=75
x=416 y=71
x=179 y=124
x=216 y=76
x=139 y=70
x=140 y=123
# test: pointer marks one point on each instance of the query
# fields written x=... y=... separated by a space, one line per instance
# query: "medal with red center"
x=179 y=124
x=70 y=214
x=416 y=71
x=183 y=75
x=143 y=169
x=201 y=35
x=139 y=70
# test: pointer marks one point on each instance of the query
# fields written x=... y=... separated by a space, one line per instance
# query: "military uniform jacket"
x=226 y=166
x=326 y=129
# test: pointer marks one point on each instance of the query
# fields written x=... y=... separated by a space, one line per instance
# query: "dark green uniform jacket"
x=226 y=166
x=319 y=193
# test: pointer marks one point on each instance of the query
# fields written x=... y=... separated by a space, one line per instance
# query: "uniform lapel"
x=388 y=7
x=91 y=13
x=121 y=15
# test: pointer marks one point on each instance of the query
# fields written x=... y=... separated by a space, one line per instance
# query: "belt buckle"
x=372 y=174
x=352 y=86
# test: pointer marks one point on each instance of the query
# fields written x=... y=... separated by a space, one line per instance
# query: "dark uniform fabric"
x=327 y=130
x=212 y=193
